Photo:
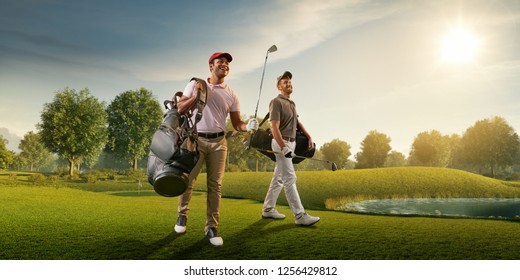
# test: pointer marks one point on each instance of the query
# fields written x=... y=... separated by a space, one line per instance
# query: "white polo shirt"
x=221 y=101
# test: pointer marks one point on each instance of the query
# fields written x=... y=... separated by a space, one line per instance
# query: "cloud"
x=248 y=31
x=13 y=140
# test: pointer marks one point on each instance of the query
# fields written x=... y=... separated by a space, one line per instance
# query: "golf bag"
x=174 y=149
x=262 y=138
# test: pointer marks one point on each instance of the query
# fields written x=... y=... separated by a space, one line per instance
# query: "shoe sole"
x=272 y=218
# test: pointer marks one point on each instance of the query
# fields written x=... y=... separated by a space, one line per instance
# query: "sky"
x=357 y=65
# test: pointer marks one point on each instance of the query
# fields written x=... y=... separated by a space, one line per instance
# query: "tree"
x=133 y=117
x=241 y=158
x=431 y=149
x=74 y=126
x=336 y=151
x=33 y=152
x=454 y=142
x=374 y=150
x=395 y=159
x=490 y=143
x=6 y=156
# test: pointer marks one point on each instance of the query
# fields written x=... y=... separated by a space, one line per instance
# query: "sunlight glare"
x=459 y=46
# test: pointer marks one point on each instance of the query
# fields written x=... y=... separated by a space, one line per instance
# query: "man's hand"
x=252 y=124
x=287 y=152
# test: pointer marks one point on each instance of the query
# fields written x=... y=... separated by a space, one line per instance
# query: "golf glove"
x=252 y=124
x=287 y=152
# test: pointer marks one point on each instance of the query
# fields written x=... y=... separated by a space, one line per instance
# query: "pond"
x=464 y=207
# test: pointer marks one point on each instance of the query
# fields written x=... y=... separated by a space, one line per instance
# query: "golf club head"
x=334 y=167
x=273 y=48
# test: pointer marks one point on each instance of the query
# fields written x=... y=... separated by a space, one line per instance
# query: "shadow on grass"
x=241 y=245
x=238 y=246
x=131 y=249
x=143 y=193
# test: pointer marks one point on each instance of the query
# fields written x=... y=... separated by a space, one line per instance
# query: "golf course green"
x=120 y=220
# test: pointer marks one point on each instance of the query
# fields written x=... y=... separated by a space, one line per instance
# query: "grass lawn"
x=50 y=222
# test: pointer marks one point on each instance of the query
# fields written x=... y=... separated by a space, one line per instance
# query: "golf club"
x=333 y=165
x=273 y=48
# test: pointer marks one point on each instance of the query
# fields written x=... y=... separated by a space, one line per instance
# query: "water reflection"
x=470 y=207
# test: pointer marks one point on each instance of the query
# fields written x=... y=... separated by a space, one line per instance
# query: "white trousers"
x=284 y=177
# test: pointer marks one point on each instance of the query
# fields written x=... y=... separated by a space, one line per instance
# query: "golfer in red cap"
x=221 y=102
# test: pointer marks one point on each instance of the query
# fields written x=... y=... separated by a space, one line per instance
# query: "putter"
x=333 y=165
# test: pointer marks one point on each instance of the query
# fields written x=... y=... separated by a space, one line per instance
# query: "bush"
x=62 y=171
x=53 y=178
x=37 y=178
x=71 y=178
x=136 y=175
x=107 y=174
x=90 y=177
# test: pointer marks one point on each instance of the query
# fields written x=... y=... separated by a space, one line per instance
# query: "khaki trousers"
x=213 y=152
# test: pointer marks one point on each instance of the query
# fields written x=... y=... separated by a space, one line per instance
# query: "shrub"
x=37 y=178
x=62 y=171
x=136 y=175
x=53 y=178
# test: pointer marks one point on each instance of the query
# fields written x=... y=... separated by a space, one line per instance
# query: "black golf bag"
x=174 y=149
x=261 y=140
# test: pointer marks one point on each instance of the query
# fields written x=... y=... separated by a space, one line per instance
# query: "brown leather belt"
x=211 y=135
x=290 y=139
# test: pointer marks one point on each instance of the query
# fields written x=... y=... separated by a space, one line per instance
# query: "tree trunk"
x=134 y=164
x=71 y=167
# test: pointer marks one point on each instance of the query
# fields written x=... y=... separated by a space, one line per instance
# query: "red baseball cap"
x=219 y=54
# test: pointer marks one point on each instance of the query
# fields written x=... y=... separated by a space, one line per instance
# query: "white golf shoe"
x=180 y=226
x=272 y=214
x=214 y=238
x=305 y=219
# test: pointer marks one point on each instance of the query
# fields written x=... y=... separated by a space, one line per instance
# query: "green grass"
x=54 y=222
x=328 y=190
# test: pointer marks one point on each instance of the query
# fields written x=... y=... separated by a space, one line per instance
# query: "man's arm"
x=306 y=133
x=237 y=122
x=185 y=104
x=277 y=135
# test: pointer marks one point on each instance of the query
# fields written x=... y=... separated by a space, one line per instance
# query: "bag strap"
x=265 y=119
x=202 y=97
x=172 y=103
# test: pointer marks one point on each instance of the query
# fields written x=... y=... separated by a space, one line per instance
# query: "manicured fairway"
x=64 y=223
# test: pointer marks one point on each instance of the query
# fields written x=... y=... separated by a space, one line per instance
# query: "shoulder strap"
x=172 y=103
x=265 y=119
x=202 y=97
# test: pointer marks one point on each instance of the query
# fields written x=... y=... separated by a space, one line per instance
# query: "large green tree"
x=431 y=149
x=133 y=117
x=74 y=126
x=6 y=156
x=336 y=151
x=374 y=150
x=395 y=159
x=33 y=151
x=491 y=144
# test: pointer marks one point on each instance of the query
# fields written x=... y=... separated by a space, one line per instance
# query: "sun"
x=459 y=46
